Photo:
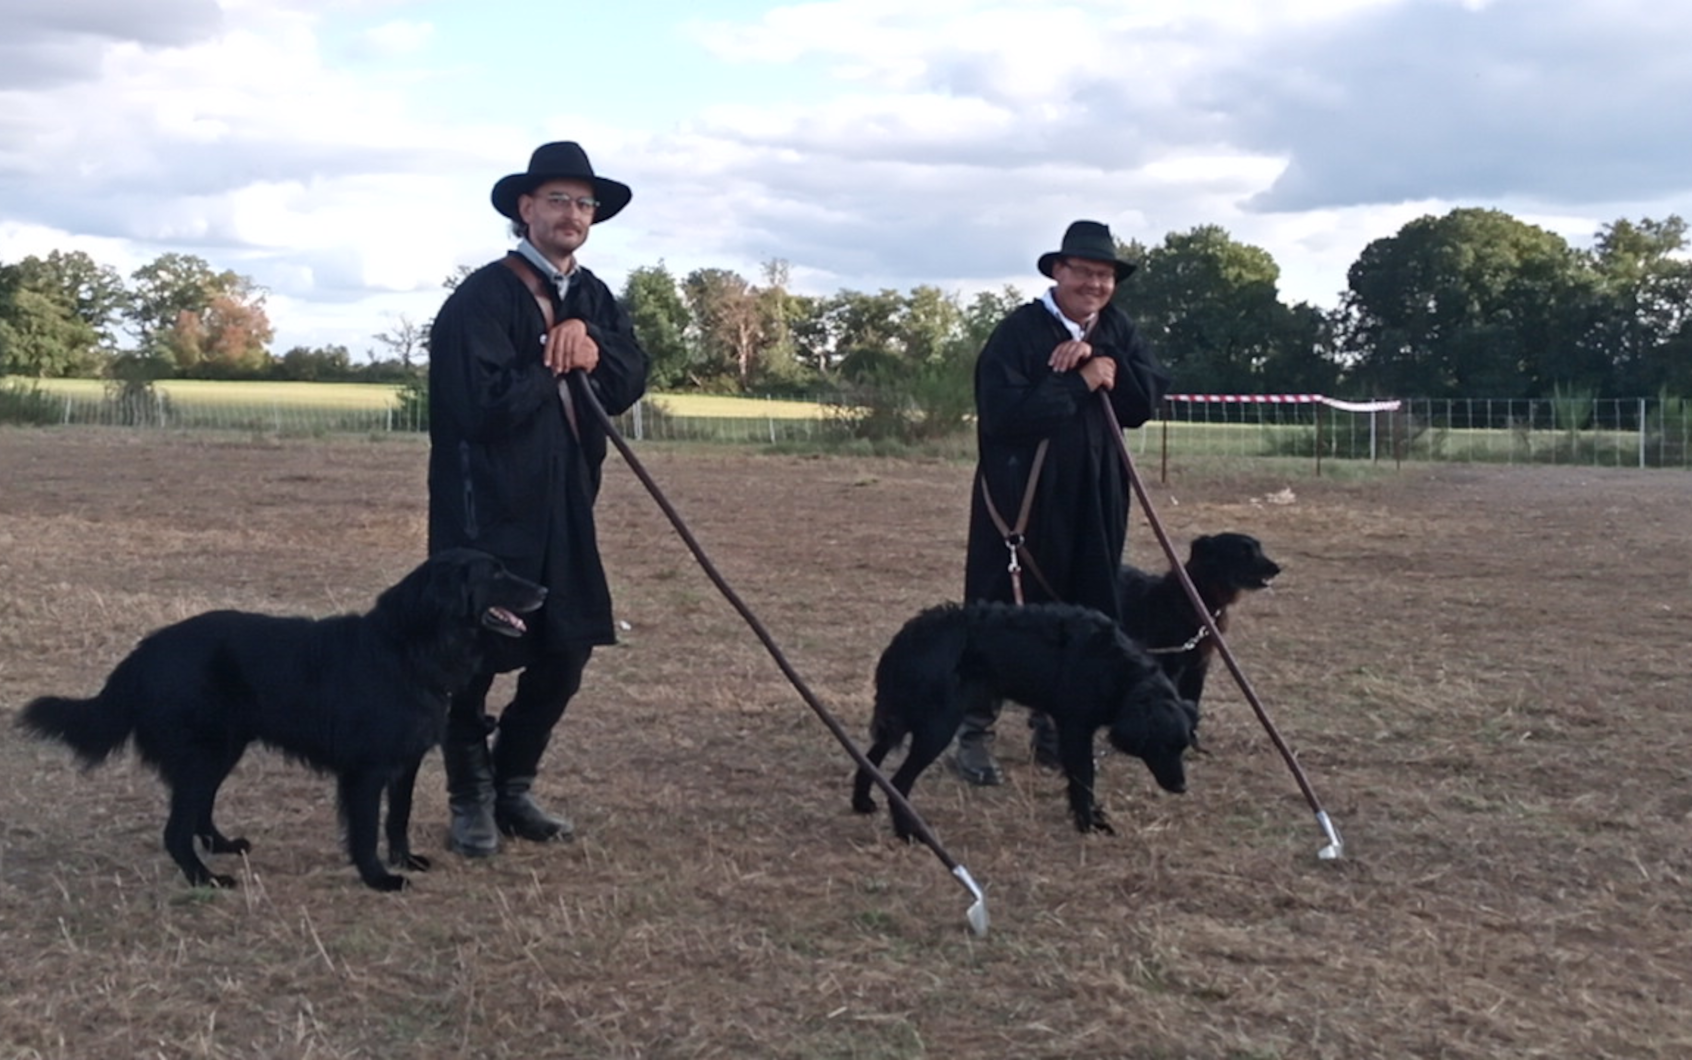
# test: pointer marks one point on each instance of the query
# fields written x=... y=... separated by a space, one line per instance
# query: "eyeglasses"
x=559 y=201
x=1091 y=274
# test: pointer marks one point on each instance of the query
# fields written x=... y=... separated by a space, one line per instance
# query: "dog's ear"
x=1190 y=711
x=1173 y=724
x=444 y=586
x=404 y=596
x=1131 y=728
x=1153 y=727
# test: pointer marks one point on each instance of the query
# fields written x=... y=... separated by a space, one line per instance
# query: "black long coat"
x=1079 y=521
x=506 y=475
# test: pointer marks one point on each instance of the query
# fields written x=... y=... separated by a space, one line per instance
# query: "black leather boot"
x=518 y=815
x=524 y=731
x=470 y=796
x=973 y=760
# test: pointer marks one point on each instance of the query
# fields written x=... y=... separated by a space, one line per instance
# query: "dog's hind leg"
x=204 y=829
x=399 y=820
x=928 y=739
x=886 y=736
x=360 y=794
x=1075 y=748
x=192 y=794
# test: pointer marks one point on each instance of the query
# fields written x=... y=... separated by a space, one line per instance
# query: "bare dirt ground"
x=1482 y=669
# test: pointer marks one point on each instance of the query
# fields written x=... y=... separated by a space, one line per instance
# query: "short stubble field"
x=1483 y=671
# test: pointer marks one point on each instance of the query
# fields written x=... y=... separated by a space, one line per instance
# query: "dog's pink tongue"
x=511 y=619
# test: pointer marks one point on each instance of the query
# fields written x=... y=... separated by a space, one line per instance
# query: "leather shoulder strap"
x=537 y=287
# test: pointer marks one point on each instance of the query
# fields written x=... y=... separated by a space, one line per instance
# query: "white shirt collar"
x=560 y=280
x=1049 y=300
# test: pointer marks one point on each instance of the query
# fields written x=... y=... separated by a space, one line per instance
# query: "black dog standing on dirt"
x=1071 y=662
x=361 y=696
x=1157 y=612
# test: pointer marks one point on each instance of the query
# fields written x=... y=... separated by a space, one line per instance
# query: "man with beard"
x=1050 y=488
x=514 y=469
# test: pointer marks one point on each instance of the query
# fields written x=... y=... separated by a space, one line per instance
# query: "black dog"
x=1157 y=612
x=1070 y=662
x=361 y=696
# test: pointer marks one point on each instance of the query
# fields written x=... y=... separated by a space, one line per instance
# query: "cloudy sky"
x=340 y=152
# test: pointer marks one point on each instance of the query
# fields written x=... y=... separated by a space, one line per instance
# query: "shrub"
x=135 y=403
x=28 y=404
x=413 y=414
x=1668 y=432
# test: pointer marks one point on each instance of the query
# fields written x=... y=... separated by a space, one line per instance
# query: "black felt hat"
x=1090 y=240
x=562 y=160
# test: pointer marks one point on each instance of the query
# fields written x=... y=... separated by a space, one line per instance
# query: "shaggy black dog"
x=1159 y=615
x=1071 y=662
x=361 y=696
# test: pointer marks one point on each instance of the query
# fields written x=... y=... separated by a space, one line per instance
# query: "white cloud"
x=398 y=38
x=341 y=153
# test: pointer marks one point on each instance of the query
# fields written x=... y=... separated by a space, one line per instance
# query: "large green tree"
x=40 y=335
x=779 y=365
x=1210 y=307
x=58 y=314
x=983 y=314
x=1472 y=304
x=864 y=331
x=201 y=321
x=1645 y=303
x=728 y=319
x=660 y=318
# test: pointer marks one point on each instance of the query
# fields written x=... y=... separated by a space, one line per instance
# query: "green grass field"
x=320 y=408
x=375 y=396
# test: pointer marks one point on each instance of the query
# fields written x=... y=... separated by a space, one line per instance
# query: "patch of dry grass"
x=1482 y=670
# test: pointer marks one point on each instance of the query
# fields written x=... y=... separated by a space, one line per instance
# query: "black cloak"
x=506 y=475
x=1078 y=524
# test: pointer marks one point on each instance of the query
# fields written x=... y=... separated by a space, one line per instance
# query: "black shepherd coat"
x=1079 y=522
x=506 y=475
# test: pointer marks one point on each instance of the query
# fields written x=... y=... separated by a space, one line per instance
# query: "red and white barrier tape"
x=1288 y=399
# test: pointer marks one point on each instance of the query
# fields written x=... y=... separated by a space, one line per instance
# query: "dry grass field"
x=1482 y=669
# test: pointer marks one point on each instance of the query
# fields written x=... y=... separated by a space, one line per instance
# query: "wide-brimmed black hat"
x=1089 y=240
x=562 y=160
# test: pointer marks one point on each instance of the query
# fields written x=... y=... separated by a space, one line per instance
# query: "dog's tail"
x=93 y=728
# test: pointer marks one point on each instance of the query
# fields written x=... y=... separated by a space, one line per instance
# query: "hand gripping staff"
x=977 y=914
x=1335 y=847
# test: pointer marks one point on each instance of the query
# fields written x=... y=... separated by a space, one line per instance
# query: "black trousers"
x=544 y=688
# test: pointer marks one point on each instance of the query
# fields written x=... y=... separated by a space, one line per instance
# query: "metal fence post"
x=1641 y=432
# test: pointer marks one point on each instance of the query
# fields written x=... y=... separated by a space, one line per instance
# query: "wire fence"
x=1600 y=432
x=1605 y=432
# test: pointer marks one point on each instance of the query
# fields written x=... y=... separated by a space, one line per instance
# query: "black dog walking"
x=1071 y=662
x=361 y=696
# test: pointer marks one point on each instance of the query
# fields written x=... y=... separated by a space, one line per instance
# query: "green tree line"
x=1474 y=303
x=66 y=315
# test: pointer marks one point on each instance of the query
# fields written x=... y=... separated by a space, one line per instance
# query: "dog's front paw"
x=410 y=862
x=387 y=882
x=1094 y=821
x=863 y=804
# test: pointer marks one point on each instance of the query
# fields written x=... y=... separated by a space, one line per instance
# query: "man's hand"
x=568 y=347
x=1099 y=372
x=1069 y=354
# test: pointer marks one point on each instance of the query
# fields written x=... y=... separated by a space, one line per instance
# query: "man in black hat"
x=1040 y=420
x=514 y=469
